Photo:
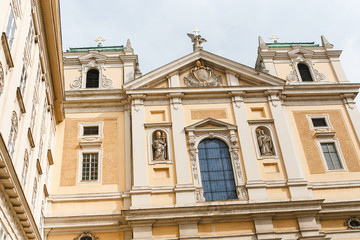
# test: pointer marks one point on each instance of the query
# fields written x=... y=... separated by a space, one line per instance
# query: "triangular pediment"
x=307 y=53
x=219 y=66
x=210 y=123
x=99 y=58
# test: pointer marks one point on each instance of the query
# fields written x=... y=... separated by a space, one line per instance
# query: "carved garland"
x=230 y=138
x=294 y=75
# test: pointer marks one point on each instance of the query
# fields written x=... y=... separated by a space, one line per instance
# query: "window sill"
x=20 y=100
x=7 y=52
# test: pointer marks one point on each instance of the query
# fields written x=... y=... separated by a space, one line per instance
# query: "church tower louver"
x=200 y=148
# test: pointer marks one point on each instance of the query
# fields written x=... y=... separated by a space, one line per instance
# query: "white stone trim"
x=275 y=148
x=314 y=116
x=337 y=147
x=89 y=149
x=90 y=124
x=150 y=132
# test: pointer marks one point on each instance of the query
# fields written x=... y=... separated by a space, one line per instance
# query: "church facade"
x=207 y=148
x=200 y=148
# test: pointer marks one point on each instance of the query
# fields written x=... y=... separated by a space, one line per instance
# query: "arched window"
x=304 y=73
x=92 y=78
x=216 y=170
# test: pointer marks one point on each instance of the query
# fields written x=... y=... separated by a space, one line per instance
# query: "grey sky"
x=157 y=28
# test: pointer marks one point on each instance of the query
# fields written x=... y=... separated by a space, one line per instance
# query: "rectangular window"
x=319 y=122
x=90 y=166
x=30 y=36
x=92 y=130
x=331 y=156
x=23 y=80
x=10 y=28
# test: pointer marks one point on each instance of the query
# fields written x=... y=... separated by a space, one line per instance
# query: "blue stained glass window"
x=216 y=170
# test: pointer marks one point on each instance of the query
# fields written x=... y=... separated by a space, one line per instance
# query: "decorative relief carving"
x=202 y=76
x=86 y=236
x=199 y=195
x=353 y=223
x=1 y=78
x=77 y=83
x=294 y=75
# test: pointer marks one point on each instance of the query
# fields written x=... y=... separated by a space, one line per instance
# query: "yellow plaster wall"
x=280 y=193
x=86 y=207
x=165 y=232
x=71 y=75
x=337 y=193
x=257 y=111
x=112 y=162
x=116 y=75
x=107 y=235
x=162 y=199
x=234 y=227
x=163 y=84
x=333 y=224
x=308 y=139
x=224 y=228
x=194 y=113
x=155 y=114
x=283 y=69
x=285 y=225
x=330 y=176
x=327 y=70
x=269 y=168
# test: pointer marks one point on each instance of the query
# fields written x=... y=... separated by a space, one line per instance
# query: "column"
x=255 y=186
x=264 y=228
x=140 y=193
x=297 y=184
x=184 y=190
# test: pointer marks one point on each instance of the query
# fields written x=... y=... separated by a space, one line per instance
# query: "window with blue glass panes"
x=216 y=170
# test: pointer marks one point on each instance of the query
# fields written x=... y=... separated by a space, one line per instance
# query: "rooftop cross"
x=196 y=31
x=99 y=40
x=274 y=38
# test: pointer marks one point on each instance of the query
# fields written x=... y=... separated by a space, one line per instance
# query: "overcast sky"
x=157 y=28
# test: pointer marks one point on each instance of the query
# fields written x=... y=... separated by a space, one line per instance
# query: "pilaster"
x=265 y=229
x=140 y=193
x=142 y=232
x=174 y=80
x=188 y=231
x=296 y=179
x=255 y=186
x=335 y=63
x=353 y=112
x=269 y=62
x=231 y=78
x=184 y=189
x=128 y=173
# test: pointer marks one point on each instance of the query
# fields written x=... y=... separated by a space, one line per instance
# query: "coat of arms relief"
x=201 y=76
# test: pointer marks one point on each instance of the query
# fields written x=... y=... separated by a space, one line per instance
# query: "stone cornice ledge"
x=17 y=197
x=226 y=210
x=85 y=197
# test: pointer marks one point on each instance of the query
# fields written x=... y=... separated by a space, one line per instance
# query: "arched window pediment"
x=303 y=67
x=214 y=129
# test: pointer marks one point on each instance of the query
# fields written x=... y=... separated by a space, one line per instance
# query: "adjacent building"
x=31 y=98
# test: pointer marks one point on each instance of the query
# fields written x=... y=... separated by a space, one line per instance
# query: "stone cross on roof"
x=99 y=41
x=274 y=38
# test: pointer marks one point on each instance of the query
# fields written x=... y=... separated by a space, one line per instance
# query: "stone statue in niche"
x=265 y=143
x=159 y=146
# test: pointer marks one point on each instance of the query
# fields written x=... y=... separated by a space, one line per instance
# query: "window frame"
x=88 y=150
x=12 y=25
x=316 y=116
x=90 y=124
x=338 y=151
